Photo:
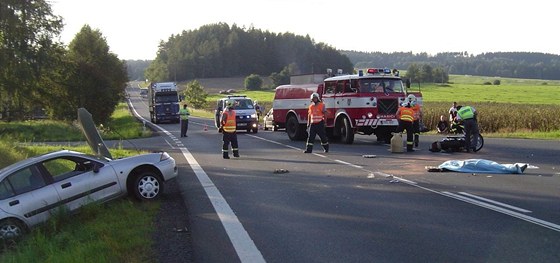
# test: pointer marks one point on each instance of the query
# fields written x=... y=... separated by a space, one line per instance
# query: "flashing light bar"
x=373 y=71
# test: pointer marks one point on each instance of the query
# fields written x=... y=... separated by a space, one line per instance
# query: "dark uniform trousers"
x=184 y=127
x=317 y=129
x=408 y=126
x=230 y=137
x=471 y=134
x=416 y=128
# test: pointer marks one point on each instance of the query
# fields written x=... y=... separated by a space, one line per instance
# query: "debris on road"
x=281 y=171
x=369 y=155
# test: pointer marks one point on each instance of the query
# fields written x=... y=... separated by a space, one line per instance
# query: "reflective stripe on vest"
x=406 y=114
x=466 y=113
x=228 y=121
x=316 y=112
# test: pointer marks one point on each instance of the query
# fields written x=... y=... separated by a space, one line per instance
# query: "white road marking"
x=242 y=242
x=527 y=218
x=244 y=246
x=496 y=202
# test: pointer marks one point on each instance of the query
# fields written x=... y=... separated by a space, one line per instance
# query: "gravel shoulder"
x=171 y=240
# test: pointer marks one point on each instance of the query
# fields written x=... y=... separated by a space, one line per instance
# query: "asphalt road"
x=342 y=207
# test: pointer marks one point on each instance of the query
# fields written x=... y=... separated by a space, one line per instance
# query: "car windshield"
x=167 y=98
x=381 y=85
x=243 y=104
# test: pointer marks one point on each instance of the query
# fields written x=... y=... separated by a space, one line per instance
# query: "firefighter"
x=405 y=114
x=468 y=115
x=316 y=123
x=227 y=121
x=417 y=117
x=184 y=114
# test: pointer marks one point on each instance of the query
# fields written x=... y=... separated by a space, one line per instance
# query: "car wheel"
x=11 y=229
x=147 y=186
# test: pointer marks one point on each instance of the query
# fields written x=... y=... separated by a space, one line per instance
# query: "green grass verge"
x=121 y=126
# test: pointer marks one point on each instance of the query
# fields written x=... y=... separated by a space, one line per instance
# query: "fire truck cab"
x=363 y=103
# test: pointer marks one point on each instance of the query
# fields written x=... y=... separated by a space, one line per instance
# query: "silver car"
x=31 y=190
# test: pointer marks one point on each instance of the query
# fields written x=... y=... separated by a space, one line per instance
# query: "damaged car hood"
x=92 y=134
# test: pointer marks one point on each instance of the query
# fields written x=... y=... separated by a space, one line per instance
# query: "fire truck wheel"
x=294 y=129
x=346 y=132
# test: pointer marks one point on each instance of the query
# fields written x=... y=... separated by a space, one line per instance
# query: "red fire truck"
x=363 y=103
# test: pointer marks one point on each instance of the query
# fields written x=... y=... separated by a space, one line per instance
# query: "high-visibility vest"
x=416 y=109
x=466 y=112
x=406 y=114
x=316 y=112
x=228 y=121
x=184 y=113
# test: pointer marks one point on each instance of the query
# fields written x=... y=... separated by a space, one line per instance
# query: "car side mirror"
x=96 y=168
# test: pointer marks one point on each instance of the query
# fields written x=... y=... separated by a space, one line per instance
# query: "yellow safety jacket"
x=316 y=112
x=406 y=114
x=228 y=121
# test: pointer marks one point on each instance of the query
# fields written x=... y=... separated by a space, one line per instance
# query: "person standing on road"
x=184 y=115
x=468 y=114
x=417 y=117
x=405 y=114
x=316 y=123
x=228 y=123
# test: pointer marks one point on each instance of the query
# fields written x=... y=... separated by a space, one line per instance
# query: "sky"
x=133 y=29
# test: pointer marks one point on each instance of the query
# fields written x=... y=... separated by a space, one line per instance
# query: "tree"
x=253 y=82
x=28 y=53
x=281 y=78
x=195 y=94
x=97 y=79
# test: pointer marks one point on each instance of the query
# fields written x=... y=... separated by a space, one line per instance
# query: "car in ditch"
x=31 y=190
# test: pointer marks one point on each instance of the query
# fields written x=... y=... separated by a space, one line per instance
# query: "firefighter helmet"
x=411 y=98
x=314 y=95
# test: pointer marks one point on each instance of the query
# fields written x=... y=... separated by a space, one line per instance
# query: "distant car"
x=268 y=121
x=31 y=190
x=144 y=93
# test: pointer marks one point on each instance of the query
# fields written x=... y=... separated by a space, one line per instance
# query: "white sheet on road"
x=482 y=166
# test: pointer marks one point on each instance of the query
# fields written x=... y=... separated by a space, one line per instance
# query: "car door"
x=80 y=181
x=26 y=194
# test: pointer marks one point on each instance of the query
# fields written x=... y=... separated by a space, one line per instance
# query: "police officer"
x=184 y=115
x=405 y=114
x=316 y=123
x=468 y=115
x=228 y=123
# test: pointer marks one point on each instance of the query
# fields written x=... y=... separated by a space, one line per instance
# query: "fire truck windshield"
x=381 y=85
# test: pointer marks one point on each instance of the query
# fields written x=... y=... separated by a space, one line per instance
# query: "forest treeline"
x=220 y=50
x=527 y=65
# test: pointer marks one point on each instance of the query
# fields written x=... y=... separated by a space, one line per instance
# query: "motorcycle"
x=457 y=142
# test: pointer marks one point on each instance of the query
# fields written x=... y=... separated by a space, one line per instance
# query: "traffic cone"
x=205 y=127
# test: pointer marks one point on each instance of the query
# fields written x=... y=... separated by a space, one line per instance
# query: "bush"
x=497 y=82
x=253 y=82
